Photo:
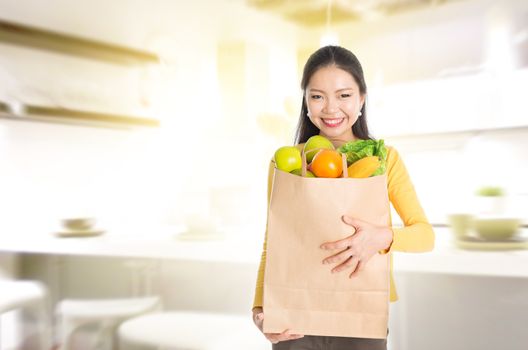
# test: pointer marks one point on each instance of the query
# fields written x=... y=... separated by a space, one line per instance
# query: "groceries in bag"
x=364 y=158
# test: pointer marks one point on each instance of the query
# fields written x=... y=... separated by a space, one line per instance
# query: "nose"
x=331 y=106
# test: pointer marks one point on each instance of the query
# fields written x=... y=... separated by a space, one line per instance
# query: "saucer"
x=476 y=243
x=79 y=233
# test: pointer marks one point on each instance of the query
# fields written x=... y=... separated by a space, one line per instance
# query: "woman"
x=334 y=94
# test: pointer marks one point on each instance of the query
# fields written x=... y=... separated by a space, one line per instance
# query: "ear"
x=362 y=98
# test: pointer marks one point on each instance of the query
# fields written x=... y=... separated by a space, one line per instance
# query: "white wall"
x=52 y=170
x=447 y=170
x=437 y=40
x=447 y=77
x=156 y=176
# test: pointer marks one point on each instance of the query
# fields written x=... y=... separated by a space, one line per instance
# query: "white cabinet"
x=63 y=77
x=514 y=108
x=464 y=103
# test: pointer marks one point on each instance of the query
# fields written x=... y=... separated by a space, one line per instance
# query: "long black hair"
x=342 y=59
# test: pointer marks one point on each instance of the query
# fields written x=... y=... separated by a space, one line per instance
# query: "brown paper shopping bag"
x=300 y=293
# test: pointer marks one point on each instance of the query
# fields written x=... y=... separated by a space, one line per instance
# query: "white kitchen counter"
x=151 y=243
x=246 y=248
x=447 y=258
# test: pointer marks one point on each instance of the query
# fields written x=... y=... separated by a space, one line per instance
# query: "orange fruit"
x=327 y=163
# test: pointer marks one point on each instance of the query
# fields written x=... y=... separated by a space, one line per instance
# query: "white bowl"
x=496 y=228
x=78 y=223
x=460 y=223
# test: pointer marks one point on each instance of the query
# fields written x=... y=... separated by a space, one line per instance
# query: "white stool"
x=107 y=313
x=31 y=295
x=192 y=331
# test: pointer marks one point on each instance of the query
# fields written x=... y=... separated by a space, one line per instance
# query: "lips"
x=333 y=122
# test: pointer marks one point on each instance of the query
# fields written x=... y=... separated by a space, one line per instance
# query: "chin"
x=335 y=133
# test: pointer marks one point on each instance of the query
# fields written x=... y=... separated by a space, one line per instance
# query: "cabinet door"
x=513 y=108
x=454 y=104
x=388 y=110
x=433 y=106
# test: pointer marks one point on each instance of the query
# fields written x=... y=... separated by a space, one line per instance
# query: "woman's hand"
x=258 y=319
x=357 y=249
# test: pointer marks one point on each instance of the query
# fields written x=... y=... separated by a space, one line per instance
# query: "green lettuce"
x=355 y=150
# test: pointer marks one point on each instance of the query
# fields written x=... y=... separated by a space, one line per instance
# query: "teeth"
x=333 y=121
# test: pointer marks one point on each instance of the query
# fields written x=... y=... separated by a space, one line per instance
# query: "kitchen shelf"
x=43 y=39
x=75 y=116
x=468 y=132
x=3 y=107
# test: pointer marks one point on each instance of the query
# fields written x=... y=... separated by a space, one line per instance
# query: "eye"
x=316 y=97
x=345 y=95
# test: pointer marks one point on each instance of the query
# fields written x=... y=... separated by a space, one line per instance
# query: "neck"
x=340 y=140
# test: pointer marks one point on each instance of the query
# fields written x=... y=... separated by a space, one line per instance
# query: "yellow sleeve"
x=417 y=235
x=259 y=289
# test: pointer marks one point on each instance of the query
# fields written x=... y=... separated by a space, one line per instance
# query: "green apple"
x=314 y=143
x=299 y=172
x=288 y=158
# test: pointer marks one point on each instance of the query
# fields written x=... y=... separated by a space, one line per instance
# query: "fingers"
x=258 y=319
x=276 y=337
x=341 y=244
x=352 y=262
x=345 y=242
x=356 y=223
x=355 y=249
x=360 y=266
x=341 y=256
x=284 y=336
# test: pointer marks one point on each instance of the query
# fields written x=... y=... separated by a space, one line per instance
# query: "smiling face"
x=334 y=101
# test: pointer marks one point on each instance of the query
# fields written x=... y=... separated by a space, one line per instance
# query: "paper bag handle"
x=345 y=165
x=304 y=164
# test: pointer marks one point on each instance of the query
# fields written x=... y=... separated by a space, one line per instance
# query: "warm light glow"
x=329 y=39
x=499 y=51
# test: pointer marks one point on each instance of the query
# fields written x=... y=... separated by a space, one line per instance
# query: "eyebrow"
x=350 y=88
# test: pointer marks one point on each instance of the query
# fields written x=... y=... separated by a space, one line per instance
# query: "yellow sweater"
x=416 y=236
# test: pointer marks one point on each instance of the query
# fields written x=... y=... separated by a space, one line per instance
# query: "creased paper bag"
x=300 y=293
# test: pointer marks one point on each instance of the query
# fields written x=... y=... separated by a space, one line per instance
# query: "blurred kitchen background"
x=158 y=119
